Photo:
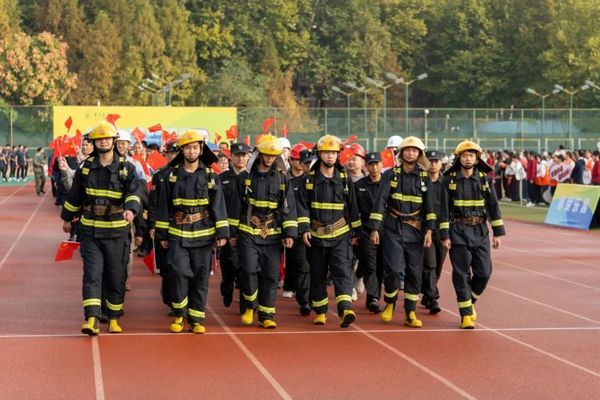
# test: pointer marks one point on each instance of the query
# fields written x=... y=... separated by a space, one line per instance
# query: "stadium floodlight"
x=592 y=84
x=543 y=97
x=394 y=78
x=422 y=76
x=348 y=95
x=571 y=93
x=559 y=87
x=585 y=87
x=382 y=85
x=406 y=84
x=351 y=85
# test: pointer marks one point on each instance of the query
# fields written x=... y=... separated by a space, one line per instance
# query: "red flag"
x=217 y=138
x=138 y=135
x=232 y=133
x=112 y=118
x=140 y=158
x=346 y=154
x=227 y=152
x=267 y=124
x=308 y=145
x=65 y=250
x=284 y=131
x=387 y=158
x=168 y=137
x=215 y=167
x=247 y=140
x=149 y=261
x=78 y=138
x=69 y=123
x=155 y=128
x=351 y=139
x=156 y=160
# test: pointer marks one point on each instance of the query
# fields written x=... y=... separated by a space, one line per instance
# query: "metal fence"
x=494 y=129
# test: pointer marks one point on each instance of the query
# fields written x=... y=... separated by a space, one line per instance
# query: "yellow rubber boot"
x=474 y=315
x=412 y=321
x=90 y=327
x=321 y=319
x=347 y=318
x=388 y=312
x=267 y=324
x=177 y=325
x=198 y=328
x=467 y=322
x=248 y=316
x=114 y=327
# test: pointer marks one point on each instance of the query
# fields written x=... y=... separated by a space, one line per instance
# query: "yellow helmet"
x=329 y=143
x=412 y=141
x=104 y=130
x=190 y=136
x=467 y=145
x=269 y=145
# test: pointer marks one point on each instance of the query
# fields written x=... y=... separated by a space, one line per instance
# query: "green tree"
x=10 y=17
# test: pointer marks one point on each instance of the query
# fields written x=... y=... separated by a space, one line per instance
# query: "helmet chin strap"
x=191 y=161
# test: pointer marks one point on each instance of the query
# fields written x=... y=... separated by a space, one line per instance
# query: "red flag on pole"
x=149 y=262
x=138 y=135
x=217 y=138
x=141 y=159
x=284 y=131
x=232 y=133
x=351 y=139
x=69 y=123
x=65 y=250
x=346 y=154
x=155 y=128
x=112 y=118
x=168 y=137
x=387 y=158
x=156 y=160
x=215 y=167
x=247 y=140
x=267 y=124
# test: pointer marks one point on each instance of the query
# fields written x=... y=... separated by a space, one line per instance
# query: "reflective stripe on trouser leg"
x=249 y=265
x=318 y=278
x=481 y=265
x=465 y=307
x=394 y=263
x=339 y=258
x=201 y=262
x=268 y=279
x=413 y=255
x=93 y=264
x=460 y=256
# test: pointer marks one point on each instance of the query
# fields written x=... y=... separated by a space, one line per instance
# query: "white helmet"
x=394 y=141
x=284 y=142
x=124 y=135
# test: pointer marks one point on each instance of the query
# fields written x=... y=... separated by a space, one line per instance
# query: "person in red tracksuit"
x=596 y=168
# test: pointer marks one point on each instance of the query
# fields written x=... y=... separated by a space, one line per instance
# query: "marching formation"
x=349 y=223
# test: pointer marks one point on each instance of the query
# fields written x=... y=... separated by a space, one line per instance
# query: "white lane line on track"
x=13 y=193
x=538 y=302
x=546 y=275
x=98 y=380
x=412 y=361
x=532 y=347
x=554 y=257
x=261 y=368
x=328 y=332
x=12 y=247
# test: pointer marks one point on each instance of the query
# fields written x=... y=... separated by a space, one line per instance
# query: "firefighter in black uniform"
x=436 y=253
x=404 y=212
x=160 y=253
x=369 y=255
x=329 y=219
x=106 y=195
x=297 y=268
x=230 y=266
x=469 y=202
x=191 y=216
x=266 y=218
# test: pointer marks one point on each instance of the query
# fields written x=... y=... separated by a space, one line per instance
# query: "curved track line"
x=532 y=347
x=261 y=368
x=12 y=247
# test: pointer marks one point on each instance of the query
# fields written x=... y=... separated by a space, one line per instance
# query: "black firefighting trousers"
x=370 y=267
x=297 y=271
x=259 y=275
x=230 y=266
x=104 y=259
x=188 y=279
x=469 y=286
x=337 y=260
x=399 y=257
x=435 y=255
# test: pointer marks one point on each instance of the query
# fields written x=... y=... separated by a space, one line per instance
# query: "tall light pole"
x=348 y=95
x=571 y=93
x=145 y=88
x=406 y=85
x=363 y=90
x=543 y=97
x=381 y=85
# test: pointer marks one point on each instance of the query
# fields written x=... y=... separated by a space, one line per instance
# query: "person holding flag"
x=190 y=218
x=404 y=212
x=328 y=220
x=106 y=195
x=468 y=202
x=264 y=219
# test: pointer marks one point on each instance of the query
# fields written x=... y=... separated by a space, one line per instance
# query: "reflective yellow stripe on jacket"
x=103 y=193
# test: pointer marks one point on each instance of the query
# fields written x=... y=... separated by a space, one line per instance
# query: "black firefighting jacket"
x=229 y=184
x=178 y=194
x=265 y=198
x=465 y=197
x=99 y=195
x=366 y=191
x=404 y=204
x=323 y=202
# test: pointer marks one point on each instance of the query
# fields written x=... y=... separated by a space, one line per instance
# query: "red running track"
x=537 y=336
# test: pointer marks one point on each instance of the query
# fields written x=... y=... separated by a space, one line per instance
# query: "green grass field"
x=521 y=213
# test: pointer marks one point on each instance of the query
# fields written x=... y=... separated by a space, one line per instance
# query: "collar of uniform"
x=415 y=170
x=112 y=166
x=319 y=177
x=182 y=173
x=474 y=176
